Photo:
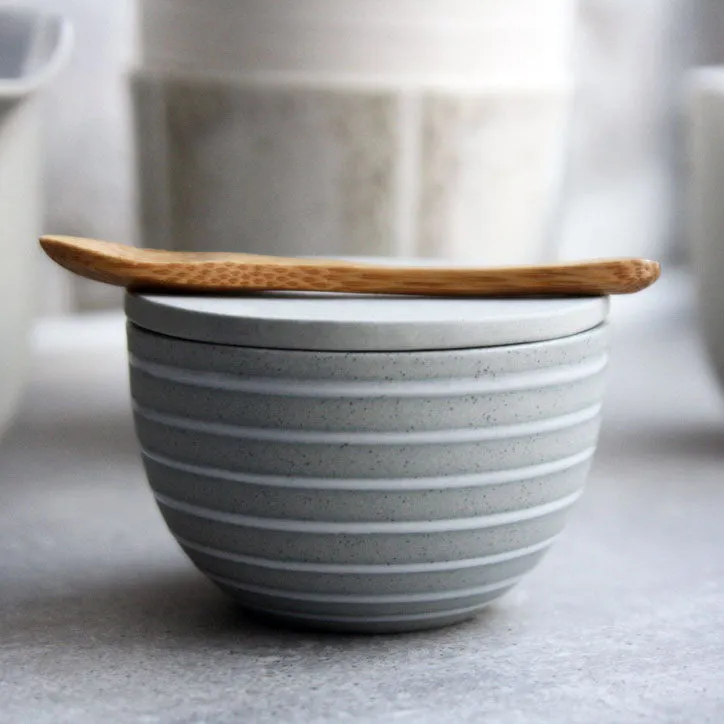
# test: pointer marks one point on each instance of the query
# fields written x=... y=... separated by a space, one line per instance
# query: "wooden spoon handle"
x=614 y=276
x=149 y=269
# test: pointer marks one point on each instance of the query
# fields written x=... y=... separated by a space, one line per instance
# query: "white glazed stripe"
x=441 y=387
x=497 y=477
x=400 y=527
x=356 y=569
x=351 y=598
x=372 y=439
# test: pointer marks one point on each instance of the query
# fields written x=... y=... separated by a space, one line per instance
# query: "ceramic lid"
x=363 y=323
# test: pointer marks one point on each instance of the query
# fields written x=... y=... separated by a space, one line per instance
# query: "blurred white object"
x=86 y=128
x=456 y=41
x=397 y=127
x=706 y=204
x=623 y=192
x=33 y=46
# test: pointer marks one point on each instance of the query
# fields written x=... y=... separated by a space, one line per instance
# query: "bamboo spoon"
x=152 y=270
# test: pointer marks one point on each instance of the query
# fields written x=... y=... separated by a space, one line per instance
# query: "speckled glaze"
x=366 y=491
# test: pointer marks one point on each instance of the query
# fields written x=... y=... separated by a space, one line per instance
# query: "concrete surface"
x=102 y=618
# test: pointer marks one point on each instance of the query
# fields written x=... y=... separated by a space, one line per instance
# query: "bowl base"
x=371 y=627
x=358 y=624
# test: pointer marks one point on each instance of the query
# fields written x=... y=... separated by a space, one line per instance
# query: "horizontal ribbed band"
x=375 y=438
x=354 y=598
x=495 y=477
x=366 y=569
x=405 y=527
x=437 y=387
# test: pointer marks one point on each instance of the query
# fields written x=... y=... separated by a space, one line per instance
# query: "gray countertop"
x=103 y=619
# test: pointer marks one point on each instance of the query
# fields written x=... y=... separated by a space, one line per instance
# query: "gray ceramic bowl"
x=369 y=491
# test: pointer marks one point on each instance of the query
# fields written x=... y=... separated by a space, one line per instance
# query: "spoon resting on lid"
x=156 y=270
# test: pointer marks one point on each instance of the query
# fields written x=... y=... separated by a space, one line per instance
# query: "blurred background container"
x=89 y=180
x=411 y=127
x=706 y=144
x=33 y=47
